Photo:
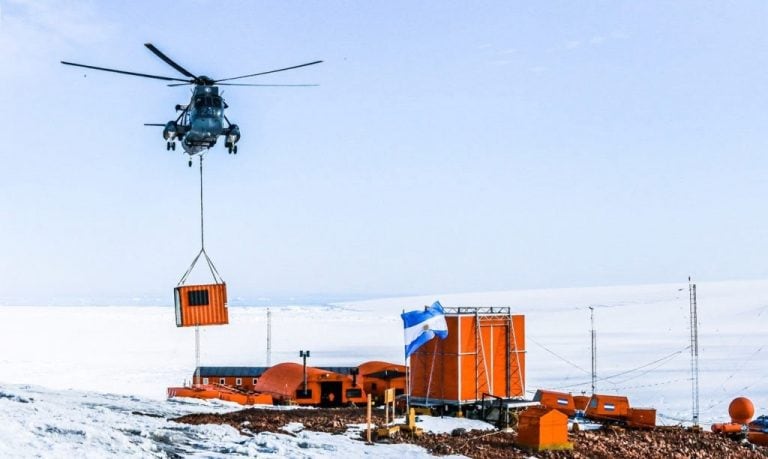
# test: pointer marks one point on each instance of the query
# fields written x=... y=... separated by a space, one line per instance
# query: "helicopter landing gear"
x=170 y=146
x=231 y=148
x=190 y=163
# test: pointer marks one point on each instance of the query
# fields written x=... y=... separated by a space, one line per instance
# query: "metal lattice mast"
x=593 y=346
x=694 y=352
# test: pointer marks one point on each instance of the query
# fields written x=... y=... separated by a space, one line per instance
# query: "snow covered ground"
x=37 y=422
x=121 y=359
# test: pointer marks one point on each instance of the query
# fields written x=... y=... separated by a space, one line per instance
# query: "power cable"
x=558 y=356
x=608 y=378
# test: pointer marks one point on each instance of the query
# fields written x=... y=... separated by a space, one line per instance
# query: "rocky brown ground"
x=612 y=442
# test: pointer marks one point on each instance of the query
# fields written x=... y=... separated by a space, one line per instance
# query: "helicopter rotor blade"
x=168 y=61
x=153 y=124
x=124 y=72
x=270 y=71
x=265 y=85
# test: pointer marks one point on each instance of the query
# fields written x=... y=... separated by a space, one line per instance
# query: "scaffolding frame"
x=486 y=320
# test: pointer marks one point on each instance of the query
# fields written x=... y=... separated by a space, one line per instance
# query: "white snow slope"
x=136 y=352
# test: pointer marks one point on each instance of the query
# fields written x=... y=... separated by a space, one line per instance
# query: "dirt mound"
x=613 y=442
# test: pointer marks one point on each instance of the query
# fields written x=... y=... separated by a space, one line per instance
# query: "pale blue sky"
x=450 y=146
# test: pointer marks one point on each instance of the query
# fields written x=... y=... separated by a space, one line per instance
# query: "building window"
x=205 y=380
x=302 y=394
x=238 y=382
x=255 y=380
x=197 y=297
x=354 y=393
x=222 y=381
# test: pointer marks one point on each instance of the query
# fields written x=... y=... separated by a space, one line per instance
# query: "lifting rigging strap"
x=216 y=277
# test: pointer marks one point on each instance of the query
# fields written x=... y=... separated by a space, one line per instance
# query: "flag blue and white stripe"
x=422 y=326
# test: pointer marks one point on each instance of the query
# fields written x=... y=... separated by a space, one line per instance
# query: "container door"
x=177 y=303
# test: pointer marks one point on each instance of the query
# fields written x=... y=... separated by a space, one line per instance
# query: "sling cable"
x=198 y=305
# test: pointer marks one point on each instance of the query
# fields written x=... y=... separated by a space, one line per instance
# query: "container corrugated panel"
x=201 y=305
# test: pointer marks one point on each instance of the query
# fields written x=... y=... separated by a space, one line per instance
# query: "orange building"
x=380 y=376
x=285 y=382
x=241 y=378
x=484 y=353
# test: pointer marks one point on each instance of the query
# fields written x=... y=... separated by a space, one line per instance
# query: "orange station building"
x=285 y=382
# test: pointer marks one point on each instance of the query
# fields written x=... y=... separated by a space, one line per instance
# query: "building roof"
x=235 y=372
x=340 y=370
x=382 y=370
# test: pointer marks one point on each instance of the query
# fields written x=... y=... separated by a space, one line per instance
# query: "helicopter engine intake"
x=171 y=130
x=233 y=134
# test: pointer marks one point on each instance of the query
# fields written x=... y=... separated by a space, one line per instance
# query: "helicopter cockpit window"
x=208 y=102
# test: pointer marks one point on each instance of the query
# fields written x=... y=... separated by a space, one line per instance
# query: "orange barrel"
x=741 y=410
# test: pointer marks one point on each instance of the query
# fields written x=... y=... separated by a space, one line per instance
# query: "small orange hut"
x=543 y=428
x=285 y=382
x=379 y=376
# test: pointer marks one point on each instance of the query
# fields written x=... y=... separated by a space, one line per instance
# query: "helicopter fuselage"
x=202 y=122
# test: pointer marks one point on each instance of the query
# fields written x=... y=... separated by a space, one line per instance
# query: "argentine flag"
x=422 y=326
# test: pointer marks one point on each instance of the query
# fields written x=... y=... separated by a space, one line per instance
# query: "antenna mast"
x=594 y=347
x=694 y=352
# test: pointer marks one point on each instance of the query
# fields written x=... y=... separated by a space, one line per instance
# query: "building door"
x=330 y=393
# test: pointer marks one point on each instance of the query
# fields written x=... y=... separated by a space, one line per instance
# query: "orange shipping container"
x=560 y=401
x=484 y=353
x=608 y=407
x=580 y=402
x=642 y=418
x=201 y=305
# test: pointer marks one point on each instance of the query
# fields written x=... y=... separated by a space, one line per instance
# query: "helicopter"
x=202 y=120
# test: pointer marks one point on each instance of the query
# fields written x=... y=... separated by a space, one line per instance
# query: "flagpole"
x=407 y=386
x=421 y=327
x=407 y=377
